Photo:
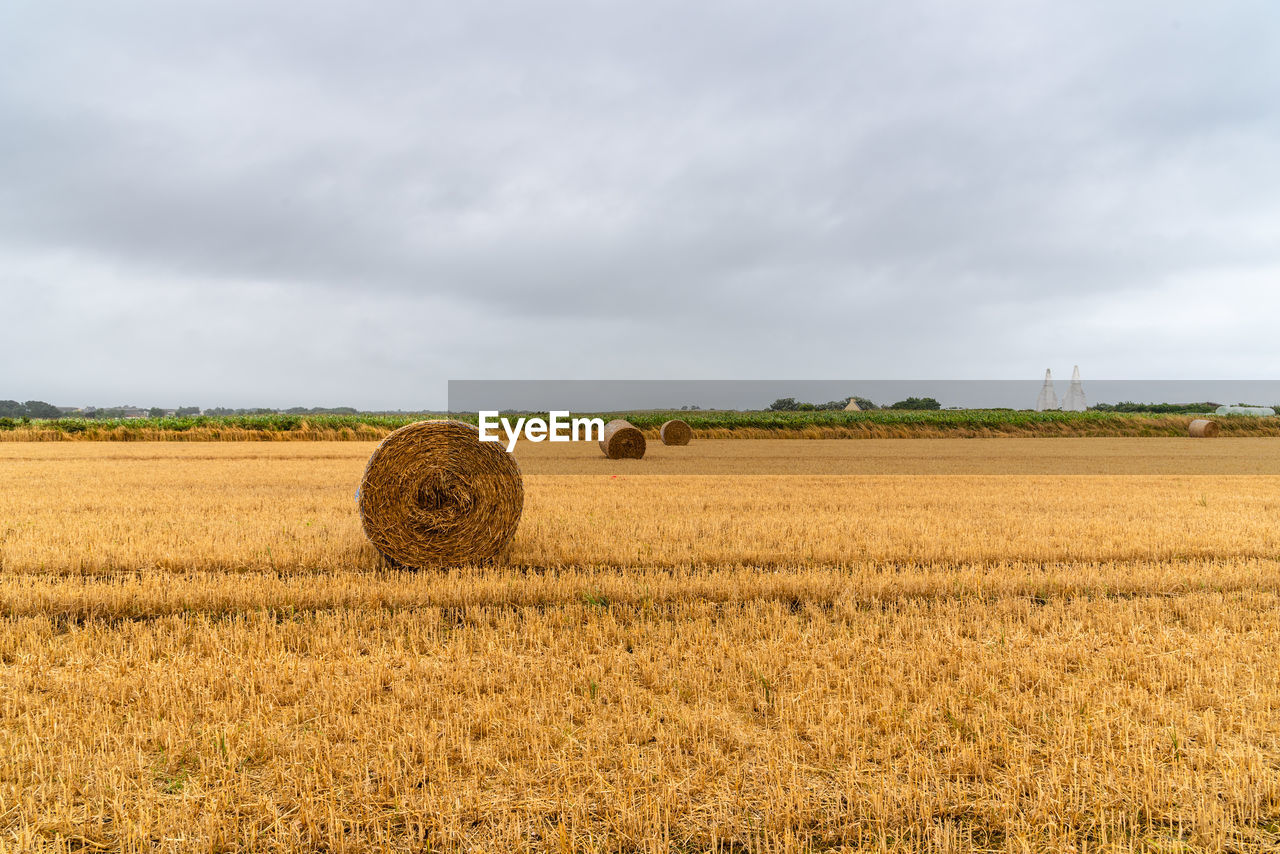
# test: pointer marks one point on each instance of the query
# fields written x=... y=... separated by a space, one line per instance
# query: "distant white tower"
x=1048 y=397
x=1075 y=401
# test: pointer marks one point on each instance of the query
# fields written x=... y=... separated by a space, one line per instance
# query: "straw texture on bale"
x=622 y=440
x=675 y=432
x=433 y=494
x=1203 y=428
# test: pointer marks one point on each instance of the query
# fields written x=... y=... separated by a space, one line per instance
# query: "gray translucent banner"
x=978 y=428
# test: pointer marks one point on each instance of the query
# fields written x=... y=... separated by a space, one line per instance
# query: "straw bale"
x=433 y=494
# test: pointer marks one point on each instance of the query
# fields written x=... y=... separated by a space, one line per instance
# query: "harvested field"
x=78 y=508
x=1007 y=645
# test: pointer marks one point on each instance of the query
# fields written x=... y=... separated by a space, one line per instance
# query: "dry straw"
x=622 y=440
x=675 y=432
x=433 y=494
x=1203 y=428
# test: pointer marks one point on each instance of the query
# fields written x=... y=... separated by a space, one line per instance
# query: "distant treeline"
x=789 y=404
x=262 y=423
x=40 y=409
x=30 y=409
x=1162 y=408
x=293 y=410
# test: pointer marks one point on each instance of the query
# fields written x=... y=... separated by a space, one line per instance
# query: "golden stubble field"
x=969 y=645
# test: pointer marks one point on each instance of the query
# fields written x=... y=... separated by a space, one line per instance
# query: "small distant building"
x=1245 y=410
x=852 y=406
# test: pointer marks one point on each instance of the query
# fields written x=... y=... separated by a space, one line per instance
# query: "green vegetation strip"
x=884 y=423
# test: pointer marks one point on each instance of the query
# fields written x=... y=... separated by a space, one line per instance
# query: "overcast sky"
x=317 y=203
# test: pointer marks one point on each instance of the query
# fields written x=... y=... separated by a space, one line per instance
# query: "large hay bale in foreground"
x=1203 y=428
x=622 y=440
x=433 y=494
x=675 y=432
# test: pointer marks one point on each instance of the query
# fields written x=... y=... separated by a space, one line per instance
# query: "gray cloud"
x=309 y=203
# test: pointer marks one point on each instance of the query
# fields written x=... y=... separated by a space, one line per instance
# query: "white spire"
x=1048 y=397
x=1075 y=401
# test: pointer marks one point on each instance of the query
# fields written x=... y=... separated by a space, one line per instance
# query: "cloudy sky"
x=319 y=203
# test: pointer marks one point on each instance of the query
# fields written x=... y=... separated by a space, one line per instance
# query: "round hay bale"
x=433 y=494
x=1203 y=428
x=622 y=440
x=675 y=432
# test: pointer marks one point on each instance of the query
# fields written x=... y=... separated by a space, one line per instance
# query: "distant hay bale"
x=1203 y=428
x=675 y=432
x=622 y=441
x=433 y=494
